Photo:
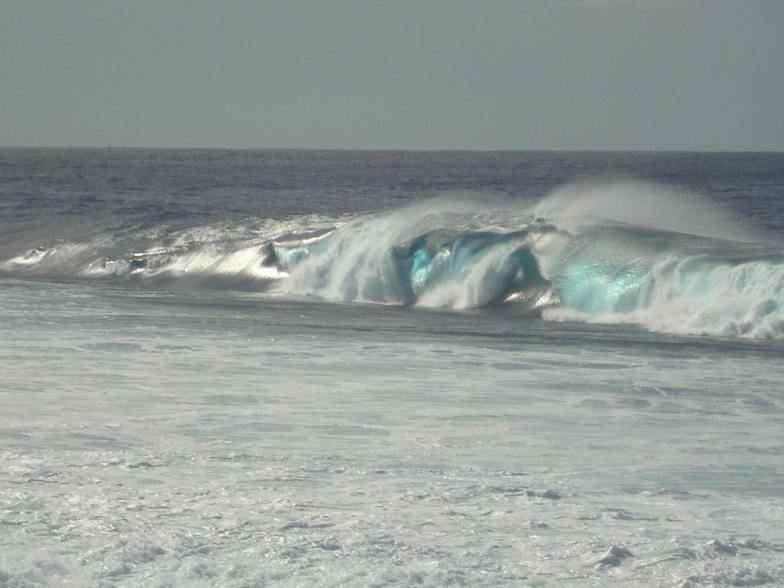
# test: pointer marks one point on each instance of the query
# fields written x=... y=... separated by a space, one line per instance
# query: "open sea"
x=333 y=368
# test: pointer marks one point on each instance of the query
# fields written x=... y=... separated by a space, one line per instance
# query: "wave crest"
x=554 y=260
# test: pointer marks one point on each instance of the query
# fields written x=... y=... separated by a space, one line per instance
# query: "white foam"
x=482 y=284
x=306 y=444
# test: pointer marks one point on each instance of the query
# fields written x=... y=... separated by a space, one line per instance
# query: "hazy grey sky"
x=394 y=74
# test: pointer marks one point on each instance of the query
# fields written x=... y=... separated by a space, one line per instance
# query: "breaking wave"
x=591 y=253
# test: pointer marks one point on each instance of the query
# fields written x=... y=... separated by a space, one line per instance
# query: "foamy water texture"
x=212 y=444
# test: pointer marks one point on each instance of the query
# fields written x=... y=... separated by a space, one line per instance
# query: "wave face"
x=557 y=260
x=671 y=283
x=607 y=272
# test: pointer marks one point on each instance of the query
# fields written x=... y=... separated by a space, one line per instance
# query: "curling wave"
x=460 y=256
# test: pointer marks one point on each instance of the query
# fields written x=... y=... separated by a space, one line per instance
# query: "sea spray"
x=645 y=204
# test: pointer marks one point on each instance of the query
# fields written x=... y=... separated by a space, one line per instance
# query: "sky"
x=652 y=75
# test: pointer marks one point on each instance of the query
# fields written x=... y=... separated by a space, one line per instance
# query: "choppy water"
x=330 y=368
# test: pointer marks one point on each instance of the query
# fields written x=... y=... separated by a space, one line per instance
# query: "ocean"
x=334 y=368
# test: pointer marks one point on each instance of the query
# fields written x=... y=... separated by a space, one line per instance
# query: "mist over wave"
x=620 y=252
x=644 y=204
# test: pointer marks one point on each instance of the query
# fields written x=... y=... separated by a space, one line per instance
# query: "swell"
x=454 y=255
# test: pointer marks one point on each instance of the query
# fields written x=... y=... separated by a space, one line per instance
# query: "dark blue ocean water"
x=236 y=368
x=193 y=185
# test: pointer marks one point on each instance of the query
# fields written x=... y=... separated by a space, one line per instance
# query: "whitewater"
x=287 y=368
